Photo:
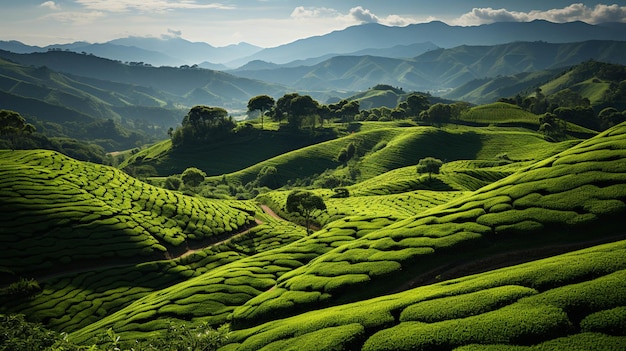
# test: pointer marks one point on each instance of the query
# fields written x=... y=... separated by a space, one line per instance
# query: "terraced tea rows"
x=76 y=301
x=397 y=206
x=554 y=201
x=57 y=212
x=571 y=301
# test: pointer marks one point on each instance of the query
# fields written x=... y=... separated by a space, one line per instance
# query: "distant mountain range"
x=435 y=70
x=366 y=39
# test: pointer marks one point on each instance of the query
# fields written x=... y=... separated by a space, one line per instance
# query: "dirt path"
x=271 y=213
x=236 y=235
x=119 y=263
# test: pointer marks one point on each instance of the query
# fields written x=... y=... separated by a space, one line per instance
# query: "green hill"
x=568 y=201
x=64 y=106
x=553 y=202
x=59 y=214
x=390 y=268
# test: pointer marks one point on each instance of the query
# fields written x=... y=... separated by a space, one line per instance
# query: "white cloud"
x=574 y=12
x=356 y=15
x=148 y=5
x=76 y=18
x=50 y=5
x=363 y=15
x=302 y=12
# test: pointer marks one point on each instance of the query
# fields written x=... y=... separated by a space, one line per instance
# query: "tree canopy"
x=203 y=124
x=193 y=176
x=304 y=202
x=261 y=103
x=429 y=165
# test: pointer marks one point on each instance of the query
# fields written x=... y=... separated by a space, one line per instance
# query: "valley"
x=469 y=197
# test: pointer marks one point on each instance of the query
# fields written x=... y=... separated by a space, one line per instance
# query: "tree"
x=416 y=103
x=551 y=126
x=268 y=176
x=304 y=202
x=348 y=110
x=429 y=165
x=610 y=116
x=300 y=107
x=437 y=114
x=261 y=103
x=203 y=124
x=172 y=183
x=193 y=176
x=13 y=126
x=283 y=106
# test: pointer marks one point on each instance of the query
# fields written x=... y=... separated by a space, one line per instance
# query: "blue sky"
x=265 y=23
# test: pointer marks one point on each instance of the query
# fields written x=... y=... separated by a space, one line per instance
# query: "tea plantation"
x=575 y=196
x=515 y=244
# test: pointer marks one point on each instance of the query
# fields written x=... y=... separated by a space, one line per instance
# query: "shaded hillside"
x=442 y=68
x=59 y=214
x=597 y=81
x=183 y=86
x=62 y=105
x=487 y=90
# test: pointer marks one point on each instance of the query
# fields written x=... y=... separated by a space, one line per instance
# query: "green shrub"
x=345 y=337
x=466 y=305
x=612 y=321
x=513 y=324
x=23 y=288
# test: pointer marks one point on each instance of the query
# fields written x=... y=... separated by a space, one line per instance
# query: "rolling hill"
x=543 y=209
x=180 y=86
x=591 y=79
x=364 y=281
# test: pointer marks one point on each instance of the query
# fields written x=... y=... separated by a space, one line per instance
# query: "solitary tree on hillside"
x=261 y=103
x=429 y=165
x=304 y=202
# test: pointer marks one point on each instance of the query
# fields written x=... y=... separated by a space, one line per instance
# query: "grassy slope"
x=402 y=146
x=554 y=201
x=334 y=264
x=214 y=283
x=57 y=213
x=503 y=114
x=570 y=301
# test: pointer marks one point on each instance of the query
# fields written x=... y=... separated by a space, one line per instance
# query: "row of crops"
x=577 y=195
x=276 y=285
x=574 y=301
x=55 y=212
x=87 y=299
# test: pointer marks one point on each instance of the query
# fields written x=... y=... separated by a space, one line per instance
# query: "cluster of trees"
x=567 y=106
x=303 y=111
x=17 y=134
x=13 y=127
x=203 y=124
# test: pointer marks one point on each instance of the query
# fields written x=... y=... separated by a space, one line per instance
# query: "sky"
x=265 y=23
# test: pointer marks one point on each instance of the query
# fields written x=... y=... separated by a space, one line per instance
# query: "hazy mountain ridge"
x=440 y=68
x=180 y=86
x=361 y=39
x=375 y=36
